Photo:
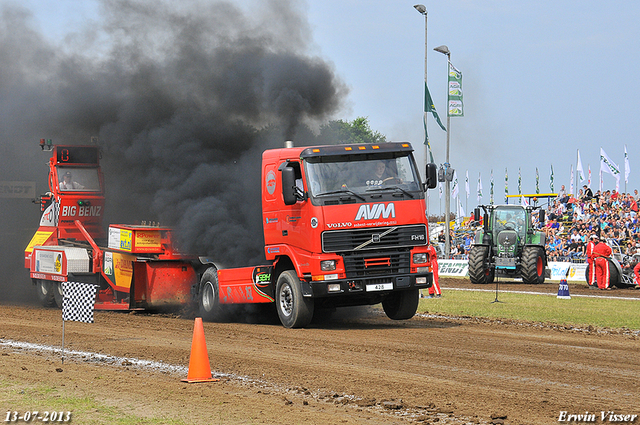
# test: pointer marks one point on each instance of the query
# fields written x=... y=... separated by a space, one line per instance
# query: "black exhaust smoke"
x=183 y=96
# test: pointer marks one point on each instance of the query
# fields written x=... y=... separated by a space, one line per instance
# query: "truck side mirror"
x=431 y=175
x=289 y=186
x=541 y=216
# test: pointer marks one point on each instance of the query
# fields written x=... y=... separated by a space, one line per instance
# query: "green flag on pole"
x=519 y=182
x=506 y=186
x=491 y=191
x=429 y=107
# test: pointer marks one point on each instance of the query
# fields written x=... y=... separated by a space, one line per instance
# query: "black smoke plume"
x=183 y=97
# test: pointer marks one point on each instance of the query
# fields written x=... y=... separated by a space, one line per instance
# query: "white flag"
x=601 y=182
x=454 y=188
x=579 y=169
x=479 y=189
x=466 y=184
x=608 y=166
x=589 y=181
x=440 y=189
x=460 y=215
x=524 y=202
x=626 y=165
x=571 y=184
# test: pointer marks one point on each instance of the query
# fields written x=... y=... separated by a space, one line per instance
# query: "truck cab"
x=348 y=226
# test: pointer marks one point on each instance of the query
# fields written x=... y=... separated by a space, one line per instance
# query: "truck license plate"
x=380 y=287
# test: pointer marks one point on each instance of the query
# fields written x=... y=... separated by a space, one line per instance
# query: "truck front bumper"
x=366 y=285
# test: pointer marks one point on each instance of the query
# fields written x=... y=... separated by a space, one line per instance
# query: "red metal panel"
x=159 y=284
x=244 y=285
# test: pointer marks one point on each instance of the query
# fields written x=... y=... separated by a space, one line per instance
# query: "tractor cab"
x=508 y=245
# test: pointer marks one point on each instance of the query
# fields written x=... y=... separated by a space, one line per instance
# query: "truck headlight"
x=420 y=258
x=327 y=265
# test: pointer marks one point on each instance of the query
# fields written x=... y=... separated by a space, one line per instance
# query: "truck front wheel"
x=401 y=305
x=209 y=297
x=294 y=310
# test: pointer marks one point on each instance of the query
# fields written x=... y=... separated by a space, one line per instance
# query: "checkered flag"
x=78 y=301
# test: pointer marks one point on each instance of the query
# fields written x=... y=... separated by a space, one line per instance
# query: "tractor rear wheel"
x=401 y=305
x=479 y=270
x=614 y=276
x=532 y=265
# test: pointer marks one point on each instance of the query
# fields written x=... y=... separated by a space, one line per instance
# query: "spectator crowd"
x=610 y=215
x=571 y=220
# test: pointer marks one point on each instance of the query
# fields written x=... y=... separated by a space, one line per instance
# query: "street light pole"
x=447 y=185
x=423 y=11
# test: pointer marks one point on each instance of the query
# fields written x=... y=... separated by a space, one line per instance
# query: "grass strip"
x=577 y=311
x=84 y=410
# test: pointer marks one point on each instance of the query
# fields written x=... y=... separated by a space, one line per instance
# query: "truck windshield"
x=78 y=179
x=358 y=176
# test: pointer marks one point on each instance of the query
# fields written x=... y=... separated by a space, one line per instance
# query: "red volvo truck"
x=344 y=225
x=134 y=266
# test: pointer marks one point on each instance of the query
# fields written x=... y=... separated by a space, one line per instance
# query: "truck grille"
x=374 y=238
x=377 y=263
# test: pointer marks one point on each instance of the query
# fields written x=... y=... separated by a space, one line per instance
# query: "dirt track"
x=352 y=370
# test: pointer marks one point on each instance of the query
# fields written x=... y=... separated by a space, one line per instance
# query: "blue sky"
x=541 y=80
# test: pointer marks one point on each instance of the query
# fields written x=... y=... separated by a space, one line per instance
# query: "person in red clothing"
x=601 y=254
x=434 y=290
x=593 y=241
x=636 y=275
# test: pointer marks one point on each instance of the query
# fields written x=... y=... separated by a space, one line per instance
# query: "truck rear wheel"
x=44 y=291
x=479 y=270
x=294 y=310
x=401 y=305
x=532 y=265
x=208 y=297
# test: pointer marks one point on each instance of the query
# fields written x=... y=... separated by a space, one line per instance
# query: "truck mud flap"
x=307 y=291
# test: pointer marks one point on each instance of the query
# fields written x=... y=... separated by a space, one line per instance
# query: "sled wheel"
x=44 y=291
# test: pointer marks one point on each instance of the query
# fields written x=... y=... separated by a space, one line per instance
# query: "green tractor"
x=508 y=245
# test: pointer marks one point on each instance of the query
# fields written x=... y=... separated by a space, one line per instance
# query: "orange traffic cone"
x=199 y=367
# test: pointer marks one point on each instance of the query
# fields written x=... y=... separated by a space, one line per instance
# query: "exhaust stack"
x=288 y=143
